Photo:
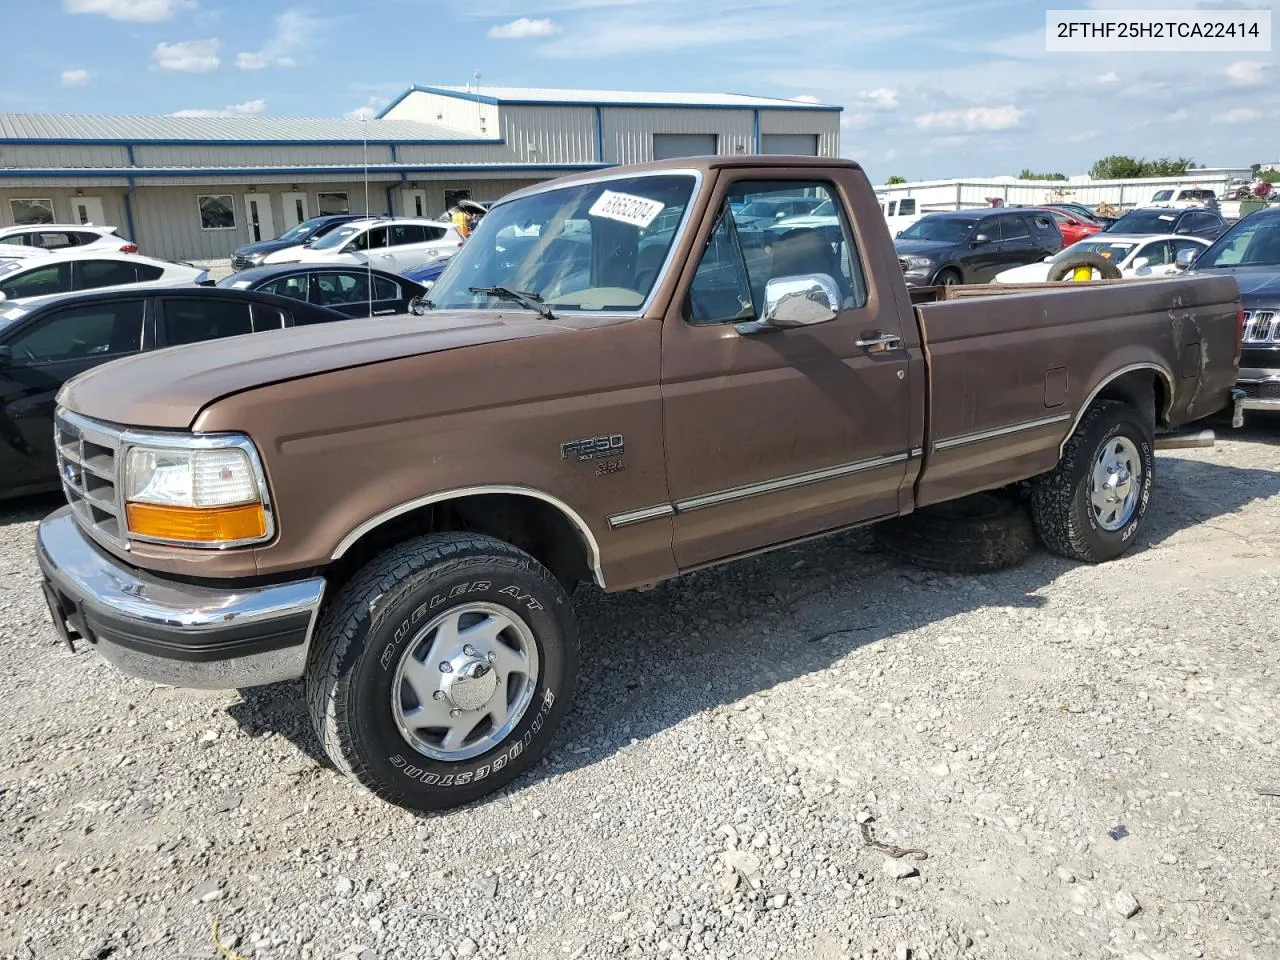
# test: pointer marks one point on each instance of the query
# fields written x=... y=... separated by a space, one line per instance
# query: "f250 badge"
x=592 y=448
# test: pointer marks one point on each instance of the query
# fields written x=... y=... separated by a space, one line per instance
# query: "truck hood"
x=1259 y=285
x=168 y=388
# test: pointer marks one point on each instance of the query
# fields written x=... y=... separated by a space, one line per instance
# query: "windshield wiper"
x=525 y=298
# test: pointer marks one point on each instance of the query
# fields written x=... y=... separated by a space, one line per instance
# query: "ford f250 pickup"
x=608 y=383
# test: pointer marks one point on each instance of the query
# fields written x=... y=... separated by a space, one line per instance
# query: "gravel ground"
x=1084 y=753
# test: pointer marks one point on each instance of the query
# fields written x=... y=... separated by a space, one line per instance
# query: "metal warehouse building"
x=198 y=187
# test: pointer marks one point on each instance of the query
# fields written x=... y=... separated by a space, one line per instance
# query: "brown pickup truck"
x=615 y=380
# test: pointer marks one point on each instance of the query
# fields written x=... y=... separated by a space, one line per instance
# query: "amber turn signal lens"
x=197 y=524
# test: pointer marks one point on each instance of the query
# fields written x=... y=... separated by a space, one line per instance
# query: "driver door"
x=777 y=435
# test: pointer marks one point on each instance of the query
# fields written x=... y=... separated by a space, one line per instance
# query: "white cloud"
x=1081 y=137
x=250 y=108
x=1238 y=115
x=369 y=109
x=143 y=11
x=75 y=78
x=295 y=33
x=1246 y=73
x=1109 y=77
x=191 y=56
x=882 y=98
x=973 y=118
x=524 y=28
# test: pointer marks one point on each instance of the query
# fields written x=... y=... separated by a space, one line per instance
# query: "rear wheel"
x=441 y=671
x=1092 y=505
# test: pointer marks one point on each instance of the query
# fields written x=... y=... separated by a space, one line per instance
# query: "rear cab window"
x=193 y=320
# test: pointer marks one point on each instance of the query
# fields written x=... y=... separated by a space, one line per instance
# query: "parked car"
x=32 y=240
x=308 y=231
x=1165 y=220
x=401 y=509
x=1073 y=225
x=426 y=274
x=89 y=268
x=1136 y=257
x=392 y=244
x=973 y=246
x=900 y=213
x=758 y=213
x=46 y=342
x=1184 y=198
x=345 y=289
x=1250 y=252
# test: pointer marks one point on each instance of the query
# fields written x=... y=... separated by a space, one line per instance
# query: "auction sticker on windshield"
x=626 y=208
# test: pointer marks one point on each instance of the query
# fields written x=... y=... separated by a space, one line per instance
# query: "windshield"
x=1113 y=250
x=9 y=266
x=301 y=231
x=11 y=315
x=1146 y=221
x=1253 y=242
x=945 y=229
x=584 y=247
x=338 y=238
x=1162 y=195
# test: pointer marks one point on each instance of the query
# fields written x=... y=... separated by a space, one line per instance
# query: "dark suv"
x=1188 y=223
x=973 y=246
x=308 y=231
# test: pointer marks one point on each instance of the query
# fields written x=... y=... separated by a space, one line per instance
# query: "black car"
x=1250 y=252
x=345 y=289
x=973 y=246
x=251 y=254
x=46 y=342
x=1193 y=222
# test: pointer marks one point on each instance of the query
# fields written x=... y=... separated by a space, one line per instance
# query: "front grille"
x=1261 y=326
x=1261 y=390
x=240 y=263
x=87 y=466
x=903 y=264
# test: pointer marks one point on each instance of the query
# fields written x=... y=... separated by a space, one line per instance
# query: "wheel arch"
x=538 y=522
x=1146 y=386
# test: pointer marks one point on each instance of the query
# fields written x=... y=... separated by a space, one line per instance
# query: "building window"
x=31 y=211
x=332 y=203
x=216 y=212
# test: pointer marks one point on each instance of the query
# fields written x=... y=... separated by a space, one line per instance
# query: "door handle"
x=879 y=341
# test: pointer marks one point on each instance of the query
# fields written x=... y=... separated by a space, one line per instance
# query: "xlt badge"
x=593 y=447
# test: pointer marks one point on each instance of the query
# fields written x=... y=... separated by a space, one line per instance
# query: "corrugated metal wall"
x=449 y=111
x=550 y=134
x=485 y=190
x=825 y=123
x=112 y=203
x=628 y=131
x=937 y=196
x=218 y=157
x=22 y=155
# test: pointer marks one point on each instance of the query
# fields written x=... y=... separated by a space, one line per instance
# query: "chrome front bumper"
x=171 y=632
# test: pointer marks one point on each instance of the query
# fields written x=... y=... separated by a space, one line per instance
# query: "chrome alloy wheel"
x=464 y=681
x=1116 y=483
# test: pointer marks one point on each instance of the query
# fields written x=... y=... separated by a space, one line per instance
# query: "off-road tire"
x=975 y=534
x=1106 y=269
x=360 y=639
x=1060 y=505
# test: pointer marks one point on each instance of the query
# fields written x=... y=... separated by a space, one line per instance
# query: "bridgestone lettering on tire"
x=1062 y=502
x=363 y=707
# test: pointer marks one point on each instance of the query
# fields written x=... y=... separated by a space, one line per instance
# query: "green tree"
x=1271 y=176
x=895 y=179
x=1029 y=174
x=1120 y=167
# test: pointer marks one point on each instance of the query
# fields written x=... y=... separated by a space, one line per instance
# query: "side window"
x=192 y=321
x=293 y=286
x=81 y=238
x=1180 y=245
x=105 y=273
x=97 y=330
x=55 y=241
x=822 y=245
x=267 y=318
x=17 y=239
x=1158 y=254
x=38 y=281
x=907 y=207
x=720 y=291
x=384 y=289
x=148 y=271
x=1012 y=229
x=335 y=289
x=434 y=233
x=375 y=238
x=403 y=233
x=1044 y=227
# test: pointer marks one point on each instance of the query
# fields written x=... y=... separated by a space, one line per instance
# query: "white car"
x=1139 y=256
x=386 y=243
x=86 y=268
x=1183 y=199
x=38 y=239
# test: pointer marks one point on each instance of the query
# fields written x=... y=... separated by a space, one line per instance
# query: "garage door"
x=668 y=146
x=798 y=144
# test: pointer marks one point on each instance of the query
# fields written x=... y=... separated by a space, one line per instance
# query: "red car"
x=1073 y=225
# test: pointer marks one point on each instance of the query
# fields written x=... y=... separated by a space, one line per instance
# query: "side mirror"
x=1140 y=263
x=799 y=301
x=898 y=234
x=1185 y=259
x=980 y=238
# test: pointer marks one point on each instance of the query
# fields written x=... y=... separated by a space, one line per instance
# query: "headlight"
x=208 y=493
x=918 y=263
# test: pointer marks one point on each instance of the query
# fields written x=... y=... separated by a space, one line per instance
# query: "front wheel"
x=440 y=672
x=947 y=278
x=1091 y=506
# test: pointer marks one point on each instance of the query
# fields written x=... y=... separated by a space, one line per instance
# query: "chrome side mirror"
x=1140 y=263
x=799 y=301
x=1185 y=259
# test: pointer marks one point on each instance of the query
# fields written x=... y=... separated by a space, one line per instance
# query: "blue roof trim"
x=494 y=101
x=395 y=168
x=123 y=142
